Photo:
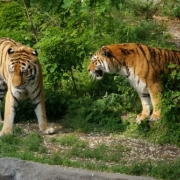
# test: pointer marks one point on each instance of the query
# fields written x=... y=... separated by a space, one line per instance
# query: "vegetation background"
x=66 y=33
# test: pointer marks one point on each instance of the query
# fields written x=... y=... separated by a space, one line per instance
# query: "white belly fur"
x=134 y=80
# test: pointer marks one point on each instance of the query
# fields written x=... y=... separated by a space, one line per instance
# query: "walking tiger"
x=142 y=66
x=21 y=77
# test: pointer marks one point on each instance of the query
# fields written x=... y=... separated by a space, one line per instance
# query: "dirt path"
x=138 y=149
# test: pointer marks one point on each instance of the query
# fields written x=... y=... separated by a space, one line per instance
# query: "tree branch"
x=30 y=20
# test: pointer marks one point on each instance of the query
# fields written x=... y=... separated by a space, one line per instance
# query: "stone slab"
x=16 y=169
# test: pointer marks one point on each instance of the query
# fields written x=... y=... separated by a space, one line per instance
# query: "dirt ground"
x=137 y=149
x=173 y=27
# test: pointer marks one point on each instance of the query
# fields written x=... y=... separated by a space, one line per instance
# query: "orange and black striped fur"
x=142 y=66
x=21 y=76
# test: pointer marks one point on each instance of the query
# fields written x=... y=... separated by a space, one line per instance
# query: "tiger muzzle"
x=99 y=73
x=18 y=81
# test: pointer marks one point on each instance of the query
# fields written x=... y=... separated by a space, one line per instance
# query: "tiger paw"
x=154 y=117
x=3 y=132
x=141 y=117
x=50 y=130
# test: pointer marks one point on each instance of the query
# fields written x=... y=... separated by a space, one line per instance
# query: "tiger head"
x=101 y=62
x=111 y=59
x=22 y=65
x=97 y=66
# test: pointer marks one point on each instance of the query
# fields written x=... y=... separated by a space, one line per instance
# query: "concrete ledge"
x=15 y=169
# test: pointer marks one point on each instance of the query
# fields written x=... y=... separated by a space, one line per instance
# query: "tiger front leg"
x=10 y=111
x=39 y=106
x=145 y=100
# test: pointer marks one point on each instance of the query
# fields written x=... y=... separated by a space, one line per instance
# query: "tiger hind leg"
x=155 y=93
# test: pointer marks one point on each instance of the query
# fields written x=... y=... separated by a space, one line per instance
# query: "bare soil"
x=173 y=27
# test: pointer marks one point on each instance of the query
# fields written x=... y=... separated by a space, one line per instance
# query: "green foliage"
x=145 y=8
x=32 y=142
x=14 y=144
x=70 y=140
x=64 y=42
x=100 y=153
x=171 y=169
x=170 y=8
x=169 y=126
x=171 y=95
x=61 y=57
x=14 y=23
x=56 y=104
x=85 y=113
x=176 y=9
x=17 y=21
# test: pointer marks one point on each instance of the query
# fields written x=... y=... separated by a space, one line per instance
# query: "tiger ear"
x=10 y=51
x=35 y=53
x=105 y=51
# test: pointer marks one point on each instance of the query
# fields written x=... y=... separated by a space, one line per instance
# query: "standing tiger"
x=21 y=76
x=142 y=66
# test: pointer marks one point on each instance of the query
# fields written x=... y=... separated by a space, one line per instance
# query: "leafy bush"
x=171 y=95
x=85 y=114
x=146 y=8
x=56 y=104
x=171 y=108
x=14 y=23
x=176 y=9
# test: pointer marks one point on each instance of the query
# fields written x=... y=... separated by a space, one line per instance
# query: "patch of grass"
x=22 y=145
x=102 y=152
x=69 y=140
x=32 y=142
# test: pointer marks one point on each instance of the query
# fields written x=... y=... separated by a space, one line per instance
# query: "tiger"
x=21 y=78
x=143 y=66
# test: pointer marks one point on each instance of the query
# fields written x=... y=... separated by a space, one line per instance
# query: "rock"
x=15 y=169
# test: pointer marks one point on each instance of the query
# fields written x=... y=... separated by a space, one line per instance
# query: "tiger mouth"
x=99 y=73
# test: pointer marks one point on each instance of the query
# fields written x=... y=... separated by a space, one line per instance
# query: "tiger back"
x=21 y=76
x=142 y=66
